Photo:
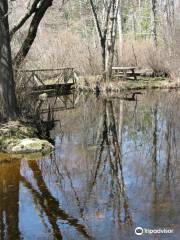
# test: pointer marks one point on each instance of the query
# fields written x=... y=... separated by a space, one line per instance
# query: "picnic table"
x=124 y=72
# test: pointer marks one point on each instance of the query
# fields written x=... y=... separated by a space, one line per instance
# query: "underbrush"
x=70 y=49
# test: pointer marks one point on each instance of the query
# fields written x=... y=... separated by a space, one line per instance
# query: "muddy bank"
x=18 y=138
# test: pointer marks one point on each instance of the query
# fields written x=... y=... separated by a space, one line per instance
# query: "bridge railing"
x=38 y=77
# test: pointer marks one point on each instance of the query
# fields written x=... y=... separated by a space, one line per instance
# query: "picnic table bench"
x=124 y=72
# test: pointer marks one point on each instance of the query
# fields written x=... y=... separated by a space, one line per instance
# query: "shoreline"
x=89 y=84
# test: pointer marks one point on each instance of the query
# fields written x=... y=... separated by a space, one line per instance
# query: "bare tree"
x=7 y=86
x=107 y=32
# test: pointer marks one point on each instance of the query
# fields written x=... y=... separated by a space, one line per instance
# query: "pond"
x=115 y=167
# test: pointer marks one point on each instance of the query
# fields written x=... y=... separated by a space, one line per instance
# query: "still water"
x=115 y=167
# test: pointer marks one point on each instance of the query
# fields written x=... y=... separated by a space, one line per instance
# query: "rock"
x=18 y=130
x=27 y=145
x=18 y=138
x=31 y=145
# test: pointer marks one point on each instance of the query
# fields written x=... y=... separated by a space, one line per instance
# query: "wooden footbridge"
x=45 y=80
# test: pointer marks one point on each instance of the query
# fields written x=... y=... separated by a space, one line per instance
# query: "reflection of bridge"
x=47 y=79
x=48 y=107
x=58 y=103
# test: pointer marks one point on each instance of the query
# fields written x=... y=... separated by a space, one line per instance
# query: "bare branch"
x=96 y=19
x=39 y=14
x=31 y=9
x=107 y=19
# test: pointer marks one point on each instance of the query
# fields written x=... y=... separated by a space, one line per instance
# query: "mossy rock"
x=17 y=130
x=6 y=144
x=27 y=145
x=18 y=138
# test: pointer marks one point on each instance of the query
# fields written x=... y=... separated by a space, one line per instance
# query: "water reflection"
x=115 y=167
x=9 y=200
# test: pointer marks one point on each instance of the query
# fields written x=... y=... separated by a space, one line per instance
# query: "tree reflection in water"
x=9 y=200
x=115 y=167
x=109 y=144
x=44 y=201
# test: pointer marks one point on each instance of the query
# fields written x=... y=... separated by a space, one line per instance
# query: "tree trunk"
x=102 y=30
x=111 y=38
x=154 y=21
x=28 y=14
x=7 y=86
x=120 y=32
x=168 y=18
x=134 y=27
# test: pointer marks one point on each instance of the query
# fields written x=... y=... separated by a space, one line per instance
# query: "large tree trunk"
x=7 y=86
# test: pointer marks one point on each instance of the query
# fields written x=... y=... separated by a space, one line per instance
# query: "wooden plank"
x=124 y=77
x=57 y=109
x=43 y=70
x=122 y=73
x=36 y=79
x=64 y=86
x=123 y=68
x=51 y=92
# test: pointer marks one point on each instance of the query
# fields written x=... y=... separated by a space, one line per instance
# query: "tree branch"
x=39 y=14
x=28 y=14
x=96 y=19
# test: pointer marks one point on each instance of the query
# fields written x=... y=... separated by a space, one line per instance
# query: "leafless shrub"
x=157 y=60
x=142 y=54
x=134 y=52
x=67 y=50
